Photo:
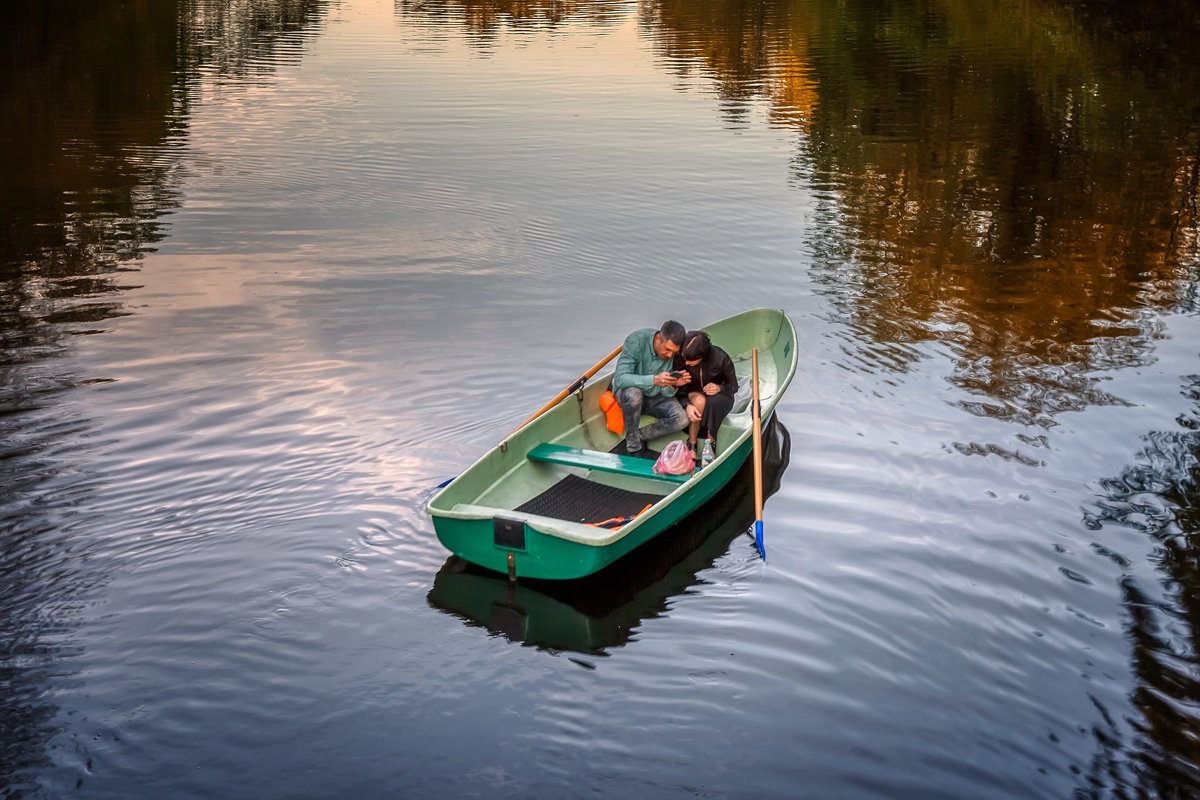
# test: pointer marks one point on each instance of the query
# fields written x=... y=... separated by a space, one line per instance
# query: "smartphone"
x=676 y=373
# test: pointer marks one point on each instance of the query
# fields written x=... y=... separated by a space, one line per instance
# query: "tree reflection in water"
x=1006 y=181
x=79 y=200
x=1159 y=495
x=1017 y=184
x=487 y=21
x=87 y=173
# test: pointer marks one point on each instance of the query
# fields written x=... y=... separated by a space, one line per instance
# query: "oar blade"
x=758 y=539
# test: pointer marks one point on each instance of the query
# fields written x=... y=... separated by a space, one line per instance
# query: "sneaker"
x=642 y=452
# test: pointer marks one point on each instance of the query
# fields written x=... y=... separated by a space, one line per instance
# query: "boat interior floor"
x=580 y=500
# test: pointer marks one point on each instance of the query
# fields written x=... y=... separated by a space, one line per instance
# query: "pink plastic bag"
x=675 y=459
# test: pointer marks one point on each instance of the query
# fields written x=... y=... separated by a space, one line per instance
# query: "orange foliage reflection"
x=1001 y=176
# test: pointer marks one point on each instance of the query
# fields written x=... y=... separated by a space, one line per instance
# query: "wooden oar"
x=574 y=387
x=758 y=464
x=582 y=379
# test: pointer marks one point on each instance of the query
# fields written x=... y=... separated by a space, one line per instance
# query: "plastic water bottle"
x=706 y=455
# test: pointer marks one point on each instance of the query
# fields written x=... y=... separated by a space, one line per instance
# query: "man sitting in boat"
x=643 y=384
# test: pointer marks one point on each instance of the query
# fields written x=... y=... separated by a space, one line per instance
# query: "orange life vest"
x=612 y=411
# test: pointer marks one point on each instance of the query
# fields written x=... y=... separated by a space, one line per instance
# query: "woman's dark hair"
x=696 y=345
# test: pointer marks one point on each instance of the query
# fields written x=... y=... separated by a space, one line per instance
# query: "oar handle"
x=574 y=387
x=758 y=465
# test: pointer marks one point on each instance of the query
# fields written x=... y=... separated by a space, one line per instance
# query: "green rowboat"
x=524 y=508
x=605 y=610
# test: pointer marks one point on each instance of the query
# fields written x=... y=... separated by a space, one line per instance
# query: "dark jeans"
x=666 y=409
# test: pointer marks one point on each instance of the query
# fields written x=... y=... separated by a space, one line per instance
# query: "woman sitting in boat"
x=708 y=396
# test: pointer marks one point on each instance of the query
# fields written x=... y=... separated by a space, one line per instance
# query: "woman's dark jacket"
x=716 y=368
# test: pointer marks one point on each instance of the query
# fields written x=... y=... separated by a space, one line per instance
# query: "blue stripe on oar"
x=758 y=539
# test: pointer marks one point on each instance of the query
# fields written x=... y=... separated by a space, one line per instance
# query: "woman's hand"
x=693 y=413
x=711 y=388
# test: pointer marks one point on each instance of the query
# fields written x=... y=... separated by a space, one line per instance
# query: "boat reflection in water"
x=591 y=614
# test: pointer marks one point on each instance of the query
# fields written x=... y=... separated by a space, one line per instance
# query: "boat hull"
x=547 y=555
x=601 y=611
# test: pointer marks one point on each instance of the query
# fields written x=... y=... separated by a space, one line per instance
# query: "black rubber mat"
x=579 y=500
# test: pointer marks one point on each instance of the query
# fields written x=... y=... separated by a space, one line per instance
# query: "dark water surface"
x=274 y=269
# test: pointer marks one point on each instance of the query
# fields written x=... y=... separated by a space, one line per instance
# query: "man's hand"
x=664 y=379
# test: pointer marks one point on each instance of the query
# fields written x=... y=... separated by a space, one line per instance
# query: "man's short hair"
x=673 y=332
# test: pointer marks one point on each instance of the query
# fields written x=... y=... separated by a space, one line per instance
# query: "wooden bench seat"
x=604 y=462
